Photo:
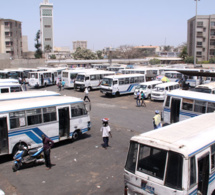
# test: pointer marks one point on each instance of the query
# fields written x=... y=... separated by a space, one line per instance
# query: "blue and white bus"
x=25 y=120
x=180 y=105
x=177 y=159
x=121 y=84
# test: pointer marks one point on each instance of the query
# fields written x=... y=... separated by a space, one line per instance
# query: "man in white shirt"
x=105 y=132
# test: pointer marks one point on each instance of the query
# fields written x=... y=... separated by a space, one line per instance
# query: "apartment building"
x=46 y=24
x=201 y=30
x=81 y=44
x=11 y=37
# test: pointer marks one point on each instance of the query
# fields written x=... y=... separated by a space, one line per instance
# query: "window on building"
x=199 y=24
x=212 y=23
x=198 y=53
x=199 y=43
x=48 y=39
x=47 y=26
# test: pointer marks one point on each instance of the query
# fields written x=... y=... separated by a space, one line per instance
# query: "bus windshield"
x=107 y=82
x=80 y=78
x=73 y=75
x=33 y=75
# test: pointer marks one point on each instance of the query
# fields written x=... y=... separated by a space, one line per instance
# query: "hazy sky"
x=104 y=23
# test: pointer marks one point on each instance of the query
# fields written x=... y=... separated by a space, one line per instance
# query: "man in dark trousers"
x=47 y=145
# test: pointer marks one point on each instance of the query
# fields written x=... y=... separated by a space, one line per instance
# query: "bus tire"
x=45 y=85
x=117 y=94
x=165 y=124
x=75 y=135
x=16 y=147
x=89 y=88
x=149 y=96
x=213 y=193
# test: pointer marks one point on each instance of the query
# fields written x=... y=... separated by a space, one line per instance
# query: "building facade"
x=11 y=37
x=24 y=43
x=201 y=37
x=46 y=25
x=81 y=44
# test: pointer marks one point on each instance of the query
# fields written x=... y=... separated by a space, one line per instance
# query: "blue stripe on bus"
x=194 y=192
x=182 y=113
x=128 y=90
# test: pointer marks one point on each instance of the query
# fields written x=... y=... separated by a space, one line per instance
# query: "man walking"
x=47 y=145
x=157 y=120
x=105 y=129
x=86 y=94
x=138 y=99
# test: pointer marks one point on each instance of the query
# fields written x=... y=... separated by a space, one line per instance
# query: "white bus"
x=27 y=94
x=9 y=81
x=173 y=76
x=177 y=159
x=91 y=80
x=120 y=84
x=25 y=120
x=160 y=90
x=69 y=75
x=146 y=88
x=41 y=78
x=10 y=87
x=180 y=105
x=206 y=88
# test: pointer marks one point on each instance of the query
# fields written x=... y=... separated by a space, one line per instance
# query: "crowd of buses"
x=176 y=159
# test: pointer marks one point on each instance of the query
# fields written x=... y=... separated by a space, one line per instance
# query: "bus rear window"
x=132 y=157
x=152 y=161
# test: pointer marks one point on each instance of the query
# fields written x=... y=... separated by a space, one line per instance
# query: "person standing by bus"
x=142 y=99
x=47 y=145
x=157 y=120
x=106 y=132
x=86 y=94
x=63 y=84
x=59 y=85
x=138 y=99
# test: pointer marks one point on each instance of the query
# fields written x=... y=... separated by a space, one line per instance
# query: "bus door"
x=3 y=135
x=42 y=79
x=53 y=80
x=203 y=173
x=64 y=122
x=175 y=110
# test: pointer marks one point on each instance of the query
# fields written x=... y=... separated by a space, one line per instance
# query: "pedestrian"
x=63 y=84
x=157 y=120
x=59 y=85
x=138 y=99
x=86 y=94
x=47 y=145
x=106 y=132
x=142 y=99
x=24 y=85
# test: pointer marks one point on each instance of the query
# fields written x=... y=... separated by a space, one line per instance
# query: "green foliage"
x=53 y=56
x=204 y=62
x=48 y=48
x=184 y=53
x=154 y=61
x=212 y=60
x=38 y=52
x=99 y=54
x=189 y=60
x=167 y=48
x=84 y=54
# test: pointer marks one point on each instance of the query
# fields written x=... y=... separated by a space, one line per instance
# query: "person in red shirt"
x=47 y=145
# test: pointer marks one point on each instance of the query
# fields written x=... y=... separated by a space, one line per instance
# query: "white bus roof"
x=33 y=103
x=208 y=85
x=123 y=76
x=186 y=137
x=9 y=84
x=9 y=81
x=79 y=70
x=151 y=82
x=26 y=94
x=192 y=95
x=167 y=84
x=41 y=72
x=97 y=72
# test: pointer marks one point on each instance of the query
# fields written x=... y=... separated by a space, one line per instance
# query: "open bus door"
x=175 y=110
x=64 y=122
x=42 y=80
x=203 y=173
x=3 y=135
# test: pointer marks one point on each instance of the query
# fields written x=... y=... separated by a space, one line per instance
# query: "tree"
x=189 y=60
x=184 y=53
x=167 y=48
x=48 y=48
x=212 y=60
x=38 y=52
x=154 y=61
x=99 y=54
x=84 y=54
x=53 y=56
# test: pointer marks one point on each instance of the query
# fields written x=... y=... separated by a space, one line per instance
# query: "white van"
x=160 y=90
x=10 y=87
x=206 y=88
x=146 y=88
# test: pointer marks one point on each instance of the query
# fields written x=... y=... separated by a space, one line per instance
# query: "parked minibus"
x=69 y=75
x=41 y=78
x=120 y=84
x=25 y=120
x=10 y=87
x=180 y=105
x=173 y=76
x=26 y=95
x=146 y=88
x=160 y=90
x=206 y=88
x=91 y=80
x=176 y=159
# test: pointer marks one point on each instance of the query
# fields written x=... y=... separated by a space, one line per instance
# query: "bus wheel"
x=75 y=135
x=213 y=193
x=16 y=147
x=45 y=85
x=89 y=88
x=117 y=94
x=149 y=96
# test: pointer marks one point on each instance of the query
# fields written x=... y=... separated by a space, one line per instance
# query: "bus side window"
x=17 y=119
x=4 y=90
x=49 y=114
x=121 y=81
x=132 y=80
x=167 y=101
x=78 y=110
x=211 y=107
x=200 y=106
x=126 y=80
x=187 y=104
x=34 y=116
x=213 y=157
x=192 y=171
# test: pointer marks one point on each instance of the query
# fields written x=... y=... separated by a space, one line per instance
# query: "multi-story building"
x=46 y=25
x=11 y=37
x=25 y=43
x=201 y=37
x=81 y=44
